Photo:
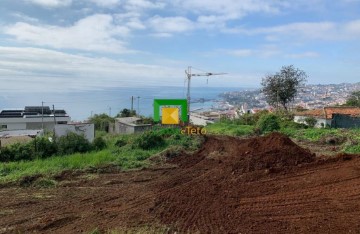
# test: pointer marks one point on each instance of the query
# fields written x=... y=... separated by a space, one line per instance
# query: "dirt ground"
x=12 y=140
x=261 y=185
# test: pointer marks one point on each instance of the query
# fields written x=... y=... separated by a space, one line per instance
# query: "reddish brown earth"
x=260 y=185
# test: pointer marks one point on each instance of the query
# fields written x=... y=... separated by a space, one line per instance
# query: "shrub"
x=310 y=121
x=293 y=125
x=99 y=143
x=73 y=143
x=149 y=140
x=44 y=148
x=268 y=123
x=6 y=154
x=22 y=152
x=120 y=143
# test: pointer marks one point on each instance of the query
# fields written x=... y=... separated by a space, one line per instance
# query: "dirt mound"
x=244 y=155
x=212 y=180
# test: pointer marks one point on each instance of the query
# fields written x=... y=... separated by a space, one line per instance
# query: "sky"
x=82 y=45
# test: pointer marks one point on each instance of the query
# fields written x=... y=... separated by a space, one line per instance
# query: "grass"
x=126 y=157
x=352 y=144
x=229 y=129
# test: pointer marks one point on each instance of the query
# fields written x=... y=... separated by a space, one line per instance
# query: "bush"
x=310 y=121
x=22 y=152
x=6 y=154
x=44 y=148
x=149 y=140
x=99 y=143
x=293 y=125
x=73 y=143
x=268 y=123
x=120 y=143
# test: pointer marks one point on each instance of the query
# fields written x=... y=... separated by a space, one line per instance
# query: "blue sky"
x=74 y=45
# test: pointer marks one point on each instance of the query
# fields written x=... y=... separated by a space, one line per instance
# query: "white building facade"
x=32 y=118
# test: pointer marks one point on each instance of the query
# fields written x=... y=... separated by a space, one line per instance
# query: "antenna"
x=189 y=75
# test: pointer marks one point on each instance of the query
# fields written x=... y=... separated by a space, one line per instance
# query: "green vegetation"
x=43 y=147
x=268 y=123
x=126 y=113
x=310 y=121
x=122 y=151
x=228 y=128
x=101 y=121
x=281 y=88
x=349 y=138
x=354 y=99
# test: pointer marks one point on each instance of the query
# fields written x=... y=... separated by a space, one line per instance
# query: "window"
x=3 y=126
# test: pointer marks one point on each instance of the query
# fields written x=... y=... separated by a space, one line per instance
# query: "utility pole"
x=138 y=106
x=189 y=75
x=132 y=103
x=54 y=115
x=109 y=111
x=42 y=115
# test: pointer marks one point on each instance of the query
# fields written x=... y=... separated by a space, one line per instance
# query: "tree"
x=281 y=88
x=126 y=113
x=353 y=99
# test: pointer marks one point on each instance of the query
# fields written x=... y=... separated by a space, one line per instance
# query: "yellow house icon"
x=170 y=115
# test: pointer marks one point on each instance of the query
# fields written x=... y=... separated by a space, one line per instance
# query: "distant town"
x=309 y=97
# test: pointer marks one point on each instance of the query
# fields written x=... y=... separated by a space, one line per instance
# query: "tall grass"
x=126 y=157
x=232 y=129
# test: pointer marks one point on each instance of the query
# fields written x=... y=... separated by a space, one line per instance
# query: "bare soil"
x=259 y=185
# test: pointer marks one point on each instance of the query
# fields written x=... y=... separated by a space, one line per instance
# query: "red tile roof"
x=327 y=112
x=344 y=110
x=319 y=113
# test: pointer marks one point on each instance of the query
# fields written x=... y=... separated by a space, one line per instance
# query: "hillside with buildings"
x=309 y=96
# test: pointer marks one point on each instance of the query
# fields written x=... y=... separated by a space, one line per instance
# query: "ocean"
x=82 y=104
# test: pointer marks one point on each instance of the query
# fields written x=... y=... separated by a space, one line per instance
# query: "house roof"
x=344 y=110
x=131 y=121
x=318 y=113
x=327 y=112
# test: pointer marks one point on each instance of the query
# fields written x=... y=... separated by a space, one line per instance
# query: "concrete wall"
x=31 y=123
x=345 y=121
x=121 y=128
x=88 y=130
x=139 y=129
x=13 y=126
x=321 y=122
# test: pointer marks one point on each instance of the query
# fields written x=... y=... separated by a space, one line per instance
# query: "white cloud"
x=43 y=70
x=93 y=33
x=170 y=24
x=305 y=31
x=308 y=54
x=352 y=29
x=264 y=51
x=25 y=17
x=134 y=5
x=230 y=8
x=240 y=52
x=51 y=3
x=106 y=3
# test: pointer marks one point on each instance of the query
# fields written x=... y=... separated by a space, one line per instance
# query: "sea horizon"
x=80 y=105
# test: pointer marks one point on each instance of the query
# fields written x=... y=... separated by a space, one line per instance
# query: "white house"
x=128 y=125
x=325 y=116
x=32 y=117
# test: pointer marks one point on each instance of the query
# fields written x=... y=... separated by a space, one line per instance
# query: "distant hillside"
x=310 y=96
